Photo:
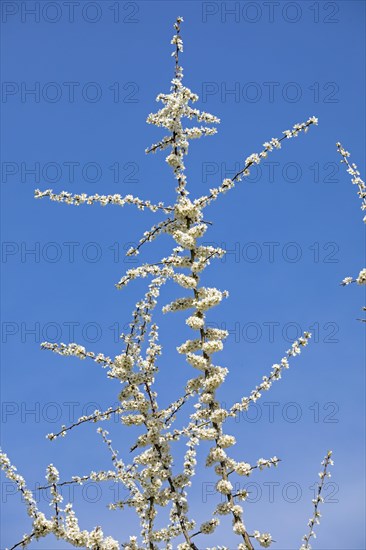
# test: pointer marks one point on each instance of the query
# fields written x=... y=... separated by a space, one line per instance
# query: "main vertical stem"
x=217 y=427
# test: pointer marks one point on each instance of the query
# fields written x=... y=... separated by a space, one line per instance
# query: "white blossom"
x=264 y=539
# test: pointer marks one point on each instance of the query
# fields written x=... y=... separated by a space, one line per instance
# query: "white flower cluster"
x=264 y=539
x=185 y=281
x=243 y=468
x=195 y=322
x=213 y=380
x=189 y=346
x=209 y=297
x=143 y=271
x=361 y=279
x=224 y=486
x=179 y=304
x=347 y=281
x=209 y=526
x=197 y=361
x=239 y=528
x=52 y=475
x=186 y=209
x=205 y=298
x=300 y=127
x=264 y=463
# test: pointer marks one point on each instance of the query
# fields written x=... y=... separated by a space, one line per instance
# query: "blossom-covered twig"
x=255 y=158
x=356 y=180
x=356 y=176
x=75 y=350
x=149 y=236
x=103 y=200
x=275 y=374
x=314 y=520
x=96 y=416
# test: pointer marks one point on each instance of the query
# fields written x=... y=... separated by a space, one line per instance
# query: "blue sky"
x=295 y=231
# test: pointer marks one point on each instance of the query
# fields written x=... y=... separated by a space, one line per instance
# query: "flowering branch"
x=255 y=158
x=356 y=180
x=155 y=479
x=103 y=200
x=274 y=375
x=314 y=520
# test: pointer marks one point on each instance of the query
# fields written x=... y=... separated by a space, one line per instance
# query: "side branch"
x=255 y=158
x=274 y=375
x=314 y=520
x=103 y=200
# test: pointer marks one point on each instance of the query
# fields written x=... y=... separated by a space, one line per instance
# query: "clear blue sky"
x=96 y=72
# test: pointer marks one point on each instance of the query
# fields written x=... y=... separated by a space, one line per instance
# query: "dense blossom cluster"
x=152 y=478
